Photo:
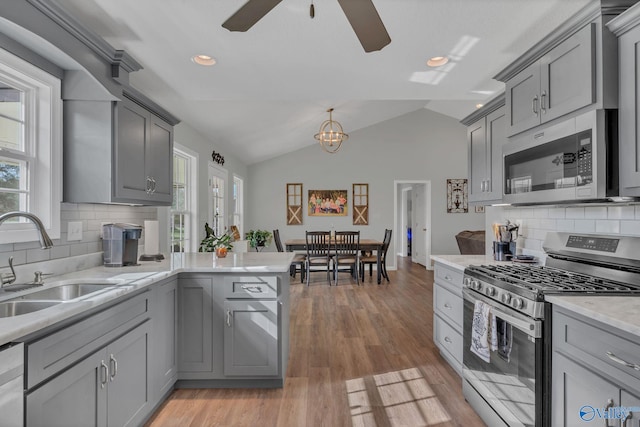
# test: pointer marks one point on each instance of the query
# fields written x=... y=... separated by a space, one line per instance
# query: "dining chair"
x=318 y=253
x=373 y=258
x=298 y=262
x=346 y=253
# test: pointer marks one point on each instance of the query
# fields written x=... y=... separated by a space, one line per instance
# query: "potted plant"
x=258 y=238
x=218 y=244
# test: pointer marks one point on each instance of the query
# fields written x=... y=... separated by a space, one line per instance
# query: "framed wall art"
x=360 y=204
x=294 y=204
x=457 y=196
x=328 y=203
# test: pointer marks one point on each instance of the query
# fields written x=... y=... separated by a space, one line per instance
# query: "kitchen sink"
x=16 y=308
x=67 y=291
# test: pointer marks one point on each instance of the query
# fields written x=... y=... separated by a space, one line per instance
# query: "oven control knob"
x=491 y=291
x=467 y=282
x=518 y=303
x=476 y=285
x=506 y=298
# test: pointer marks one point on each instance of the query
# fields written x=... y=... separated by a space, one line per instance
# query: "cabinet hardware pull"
x=622 y=362
x=447 y=339
x=153 y=185
x=228 y=318
x=104 y=373
x=447 y=305
x=446 y=277
x=148 y=186
x=486 y=185
x=252 y=289
x=543 y=109
x=627 y=417
x=113 y=365
x=534 y=105
x=609 y=405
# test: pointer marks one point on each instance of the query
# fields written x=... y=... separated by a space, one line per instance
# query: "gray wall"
x=422 y=145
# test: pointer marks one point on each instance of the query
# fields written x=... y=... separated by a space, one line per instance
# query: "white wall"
x=537 y=221
x=422 y=145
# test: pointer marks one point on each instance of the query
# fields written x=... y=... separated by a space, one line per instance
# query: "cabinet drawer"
x=448 y=304
x=448 y=338
x=449 y=275
x=251 y=287
x=591 y=342
x=54 y=352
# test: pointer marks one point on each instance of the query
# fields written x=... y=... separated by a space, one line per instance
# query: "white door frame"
x=427 y=220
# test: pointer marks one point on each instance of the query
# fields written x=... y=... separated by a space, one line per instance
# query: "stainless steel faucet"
x=45 y=240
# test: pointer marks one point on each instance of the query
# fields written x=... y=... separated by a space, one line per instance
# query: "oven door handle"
x=532 y=328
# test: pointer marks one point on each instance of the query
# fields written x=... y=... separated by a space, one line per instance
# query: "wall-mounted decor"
x=479 y=209
x=328 y=203
x=294 y=204
x=457 y=196
x=217 y=158
x=360 y=204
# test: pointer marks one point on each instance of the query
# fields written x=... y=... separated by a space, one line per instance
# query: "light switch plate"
x=74 y=231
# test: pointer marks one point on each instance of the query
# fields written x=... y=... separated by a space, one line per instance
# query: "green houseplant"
x=218 y=244
x=258 y=238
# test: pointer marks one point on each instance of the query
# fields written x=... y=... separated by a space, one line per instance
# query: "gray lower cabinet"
x=163 y=359
x=447 y=313
x=11 y=385
x=108 y=388
x=251 y=337
x=593 y=372
x=195 y=323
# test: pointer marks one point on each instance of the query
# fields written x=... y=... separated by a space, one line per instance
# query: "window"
x=217 y=182
x=183 y=206
x=31 y=149
x=237 y=203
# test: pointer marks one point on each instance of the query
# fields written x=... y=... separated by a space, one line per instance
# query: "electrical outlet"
x=74 y=231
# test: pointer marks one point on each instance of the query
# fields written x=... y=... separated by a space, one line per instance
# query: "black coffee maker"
x=504 y=247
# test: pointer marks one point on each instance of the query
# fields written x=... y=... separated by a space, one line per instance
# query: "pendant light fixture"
x=330 y=136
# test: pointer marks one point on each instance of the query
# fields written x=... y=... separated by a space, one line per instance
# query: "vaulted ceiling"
x=271 y=86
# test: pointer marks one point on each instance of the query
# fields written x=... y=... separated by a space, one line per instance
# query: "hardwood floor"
x=359 y=356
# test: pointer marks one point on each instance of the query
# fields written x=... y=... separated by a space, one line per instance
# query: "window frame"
x=191 y=205
x=238 y=208
x=43 y=142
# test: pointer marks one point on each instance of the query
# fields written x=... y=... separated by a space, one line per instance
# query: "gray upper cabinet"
x=627 y=28
x=569 y=71
x=562 y=81
x=117 y=152
x=486 y=133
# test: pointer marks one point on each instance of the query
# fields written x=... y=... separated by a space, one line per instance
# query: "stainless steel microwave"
x=575 y=160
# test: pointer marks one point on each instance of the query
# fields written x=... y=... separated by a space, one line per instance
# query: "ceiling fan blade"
x=249 y=14
x=366 y=23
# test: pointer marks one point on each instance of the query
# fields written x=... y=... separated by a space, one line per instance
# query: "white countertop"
x=622 y=312
x=460 y=262
x=132 y=278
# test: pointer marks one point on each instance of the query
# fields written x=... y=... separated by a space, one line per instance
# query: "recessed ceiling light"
x=437 y=61
x=479 y=105
x=204 y=60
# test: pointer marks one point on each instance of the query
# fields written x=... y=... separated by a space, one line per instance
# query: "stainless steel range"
x=507 y=330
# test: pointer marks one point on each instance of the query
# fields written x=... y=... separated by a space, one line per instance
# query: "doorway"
x=412 y=220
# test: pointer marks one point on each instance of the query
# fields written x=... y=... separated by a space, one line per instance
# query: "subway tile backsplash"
x=535 y=222
x=92 y=216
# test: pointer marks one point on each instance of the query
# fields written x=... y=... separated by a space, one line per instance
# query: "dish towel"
x=484 y=336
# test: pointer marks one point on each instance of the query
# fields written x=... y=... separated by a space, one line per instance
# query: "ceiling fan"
x=362 y=16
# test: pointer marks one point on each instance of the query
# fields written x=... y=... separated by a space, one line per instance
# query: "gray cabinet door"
x=128 y=389
x=568 y=75
x=477 y=140
x=251 y=337
x=496 y=137
x=629 y=112
x=76 y=398
x=164 y=367
x=159 y=159
x=577 y=390
x=523 y=99
x=131 y=139
x=195 y=320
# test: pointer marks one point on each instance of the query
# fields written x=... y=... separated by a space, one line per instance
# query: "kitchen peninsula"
x=193 y=320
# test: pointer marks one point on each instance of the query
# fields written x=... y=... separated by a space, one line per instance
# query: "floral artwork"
x=327 y=203
x=457 y=196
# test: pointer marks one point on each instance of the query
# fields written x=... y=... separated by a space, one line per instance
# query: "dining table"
x=365 y=245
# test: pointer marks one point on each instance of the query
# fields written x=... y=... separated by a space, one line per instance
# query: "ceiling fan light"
x=437 y=61
x=205 y=60
x=331 y=135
